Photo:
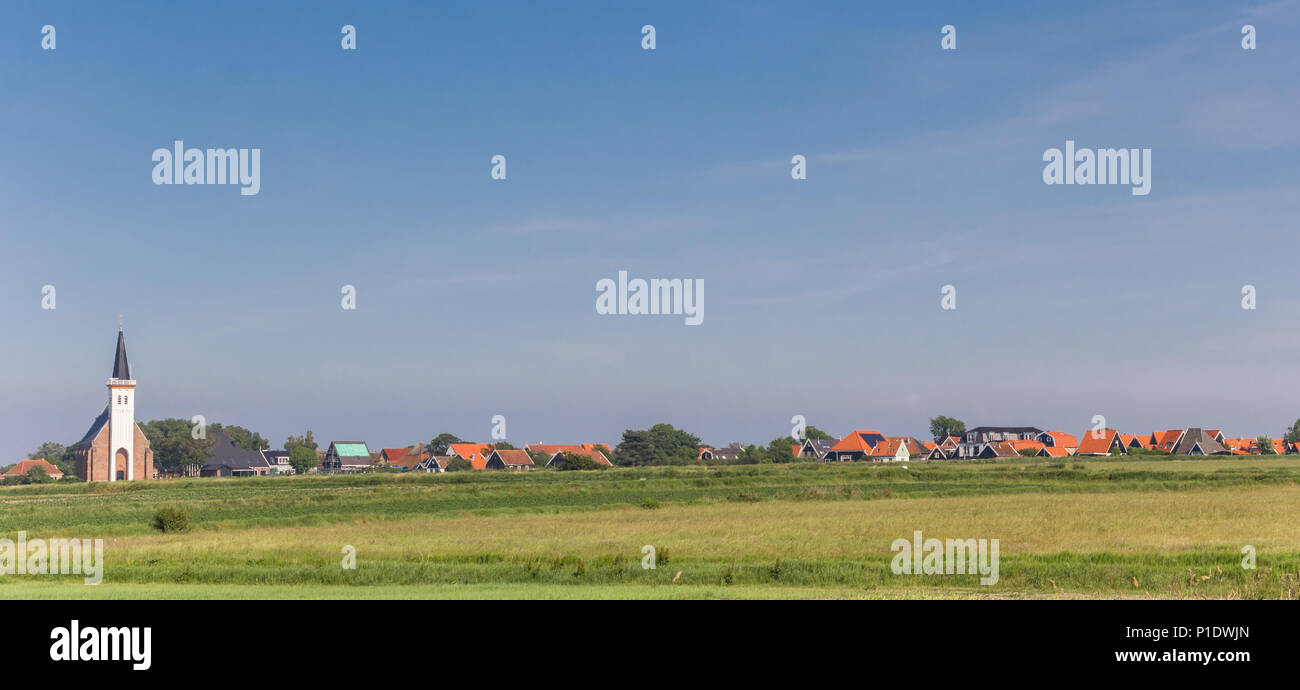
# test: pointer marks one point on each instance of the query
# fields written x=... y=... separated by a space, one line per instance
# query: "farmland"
x=1081 y=529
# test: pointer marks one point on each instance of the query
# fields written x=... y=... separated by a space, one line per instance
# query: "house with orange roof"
x=1216 y=434
x=1132 y=441
x=1058 y=439
x=393 y=456
x=1101 y=442
x=1167 y=440
x=1022 y=445
x=25 y=466
x=899 y=448
x=859 y=444
x=557 y=460
x=1052 y=452
x=473 y=453
x=997 y=449
x=508 y=460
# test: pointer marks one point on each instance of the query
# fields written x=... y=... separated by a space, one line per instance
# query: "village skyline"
x=475 y=296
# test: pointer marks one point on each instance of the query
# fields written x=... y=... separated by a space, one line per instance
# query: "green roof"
x=351 y=450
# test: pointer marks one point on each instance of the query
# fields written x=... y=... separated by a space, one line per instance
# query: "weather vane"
x=119 y=322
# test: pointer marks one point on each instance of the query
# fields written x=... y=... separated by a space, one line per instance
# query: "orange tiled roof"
x=1004 y=449
x=25 y=466
x=855 y=442
x=595 y=455
x=392 y=455
x=1053 y=452
x=1062 y=439
x=514 y=457
x=1021 y=444
x=1098 y=442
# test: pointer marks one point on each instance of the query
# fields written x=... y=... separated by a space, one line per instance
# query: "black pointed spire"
x=121 y=370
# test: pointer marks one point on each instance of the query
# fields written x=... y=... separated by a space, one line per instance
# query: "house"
x=473 y=453
x=393 y=456
x=225 y=459
x=945 y=450
x=596 y=456
x=509 y=460
x=433 y=463
x=1021 y=446
x=1196 y=441
x=1132 y=441
x=1216 y=434
x=857 y=445
x=347 y=456
x=1052 y=452
x=1101 y=442
x=1166 y=440
x=997 y=449
x=938 y=453
x=1242 y=446
x=278 y=460
x=25 y=466
x=1058 y=439
x=815 y=448
x=728 y=454
x=974 y=441
x=900 y=448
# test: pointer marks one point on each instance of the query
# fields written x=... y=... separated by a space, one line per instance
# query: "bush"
x=578 y=461
x=171 y=519
x=650 y=504
x=458 y=464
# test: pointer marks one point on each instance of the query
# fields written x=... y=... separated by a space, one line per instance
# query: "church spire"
x=121 y=370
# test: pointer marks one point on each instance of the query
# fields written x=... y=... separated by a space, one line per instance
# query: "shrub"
x=578 y=461
x=171 y=519
x=458 y=464
x=649 y=504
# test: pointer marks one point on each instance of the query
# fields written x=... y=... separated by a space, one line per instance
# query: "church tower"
x=115 y=449
x=121 y=430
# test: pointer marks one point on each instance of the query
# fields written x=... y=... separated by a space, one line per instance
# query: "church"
x=115 y=449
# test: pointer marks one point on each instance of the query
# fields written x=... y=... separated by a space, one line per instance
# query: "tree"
x=307 y=440
x=303 y=459
x=1265 y=445
x=812 y=432
x=661 y=444
x=579 y=461
x=1292 y=435
x=458 y=464
x=539 y=457
x=779 y=449
x=942 y=427
x=38 y=475
x=175 y=450
x=248 y=440
x=438 y=446
x=503 y=446
x=62 y=457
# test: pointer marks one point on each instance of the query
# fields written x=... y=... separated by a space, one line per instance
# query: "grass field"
x=1084 y=528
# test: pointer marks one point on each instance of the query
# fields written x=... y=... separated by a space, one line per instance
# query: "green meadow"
x=1085 y=528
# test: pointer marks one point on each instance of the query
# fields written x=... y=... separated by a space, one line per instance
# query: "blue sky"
x=476 y=297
